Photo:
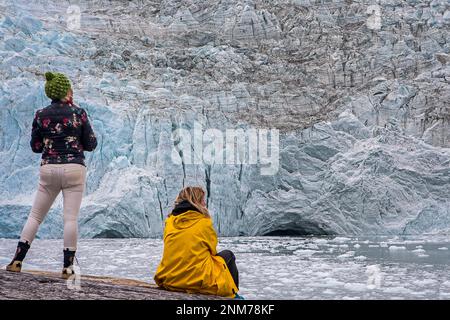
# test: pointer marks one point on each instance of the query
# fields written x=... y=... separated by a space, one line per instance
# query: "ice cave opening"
x=297 y=229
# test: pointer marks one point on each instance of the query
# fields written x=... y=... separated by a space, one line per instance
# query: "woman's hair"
x=194 y=195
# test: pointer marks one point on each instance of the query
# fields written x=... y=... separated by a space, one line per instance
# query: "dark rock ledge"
x=39 y=285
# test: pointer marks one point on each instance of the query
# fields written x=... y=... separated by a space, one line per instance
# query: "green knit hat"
x=57 y=85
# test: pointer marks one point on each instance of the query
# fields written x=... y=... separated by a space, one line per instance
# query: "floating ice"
x=360 y=258
x=397 y=248
x=304 y=252
x=348 y=254
x=342 y=239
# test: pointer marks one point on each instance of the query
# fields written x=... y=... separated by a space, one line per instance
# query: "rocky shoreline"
x=36 y=285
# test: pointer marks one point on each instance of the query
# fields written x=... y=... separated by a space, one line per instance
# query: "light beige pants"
x=70 y=179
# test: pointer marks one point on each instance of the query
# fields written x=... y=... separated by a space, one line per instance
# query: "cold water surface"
x=281 y=267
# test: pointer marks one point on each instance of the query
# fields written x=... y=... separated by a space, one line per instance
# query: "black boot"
x=21 y=252
x=68 y=271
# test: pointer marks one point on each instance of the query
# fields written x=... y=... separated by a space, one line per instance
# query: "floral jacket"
x=61 y=132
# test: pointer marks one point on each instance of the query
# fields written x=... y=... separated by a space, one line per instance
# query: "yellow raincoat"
x=189 y=261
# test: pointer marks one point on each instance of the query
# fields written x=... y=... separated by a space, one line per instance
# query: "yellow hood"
x=190 y=262
x=187 y=219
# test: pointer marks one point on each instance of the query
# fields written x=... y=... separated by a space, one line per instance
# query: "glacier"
x=363 y=113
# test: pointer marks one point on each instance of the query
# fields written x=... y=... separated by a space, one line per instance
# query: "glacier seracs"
x=364 y=124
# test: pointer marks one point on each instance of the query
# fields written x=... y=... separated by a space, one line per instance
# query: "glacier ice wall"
x=363 y=112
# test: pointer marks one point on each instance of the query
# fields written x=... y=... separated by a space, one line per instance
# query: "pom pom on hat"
x=49 y=76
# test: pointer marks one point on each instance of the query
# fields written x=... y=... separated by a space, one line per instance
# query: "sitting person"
x=190 y=261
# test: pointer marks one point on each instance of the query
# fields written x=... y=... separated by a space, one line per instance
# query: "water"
x=282 y=267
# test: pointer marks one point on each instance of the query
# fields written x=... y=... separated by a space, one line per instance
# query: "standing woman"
x=190 y=260
x=61 y=132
